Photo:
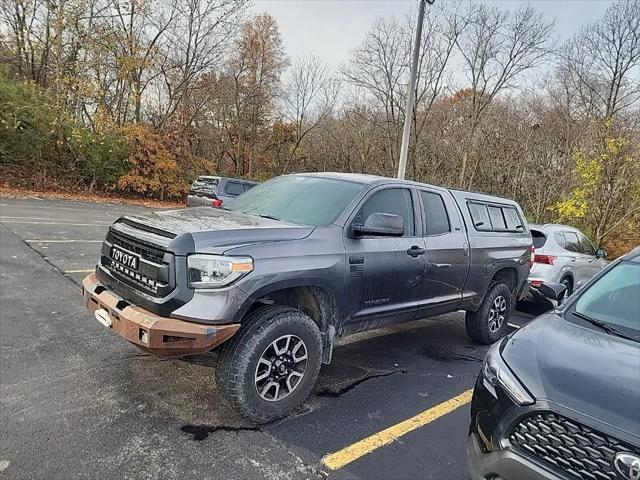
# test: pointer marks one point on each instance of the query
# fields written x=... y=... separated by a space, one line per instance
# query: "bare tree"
x=310 y=95
x=378 y=67
x=497 y=48
x=602 y=62
x=198 y=41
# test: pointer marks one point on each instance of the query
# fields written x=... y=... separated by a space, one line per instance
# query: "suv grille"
x=576 y=450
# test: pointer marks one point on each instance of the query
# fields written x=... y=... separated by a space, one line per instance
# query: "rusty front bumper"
x=162 y=336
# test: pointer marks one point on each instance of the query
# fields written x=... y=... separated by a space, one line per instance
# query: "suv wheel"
x=270 y=366
x=567 y=282
x=490 y=323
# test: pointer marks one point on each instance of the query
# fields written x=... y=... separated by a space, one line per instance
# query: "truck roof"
x=380 y=180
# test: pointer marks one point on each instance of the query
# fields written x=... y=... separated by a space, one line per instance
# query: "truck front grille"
x=576 y=450
x=148 y=253
x=153 y=275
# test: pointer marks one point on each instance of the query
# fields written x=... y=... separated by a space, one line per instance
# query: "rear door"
x=384 y=277
x=579 y=261
x=447 y=258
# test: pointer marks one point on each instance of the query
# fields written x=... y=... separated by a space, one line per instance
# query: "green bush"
x=40 y=143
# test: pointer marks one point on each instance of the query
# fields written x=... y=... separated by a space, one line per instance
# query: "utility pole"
x=411 y=95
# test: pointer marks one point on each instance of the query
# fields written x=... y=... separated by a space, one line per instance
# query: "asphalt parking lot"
x=79 y=402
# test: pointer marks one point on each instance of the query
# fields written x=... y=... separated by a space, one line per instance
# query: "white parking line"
x=58 y=223
x=513 y=325
x=3 y=465
x=5 y=217
x=64 y=241
x=84 y=270
x=79 y=207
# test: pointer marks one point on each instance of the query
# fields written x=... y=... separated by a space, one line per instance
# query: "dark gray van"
x=296 y=261
x=209 y=191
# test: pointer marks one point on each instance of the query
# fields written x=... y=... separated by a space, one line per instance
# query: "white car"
x=564 y=255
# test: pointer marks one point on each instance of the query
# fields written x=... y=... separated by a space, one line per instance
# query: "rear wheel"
x=567 y=282
x=490 y=322
x=270 y=366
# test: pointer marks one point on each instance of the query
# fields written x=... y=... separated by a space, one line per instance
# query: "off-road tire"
x=478 y=322
x=238 y=359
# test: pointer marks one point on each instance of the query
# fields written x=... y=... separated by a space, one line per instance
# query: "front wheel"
x=490 y=323
x=269 y=368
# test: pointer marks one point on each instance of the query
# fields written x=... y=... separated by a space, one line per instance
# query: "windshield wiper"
x=270 y=217
x=604 y=326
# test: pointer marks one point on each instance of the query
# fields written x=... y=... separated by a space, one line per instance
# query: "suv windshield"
x=295 y=198
x=614 y=299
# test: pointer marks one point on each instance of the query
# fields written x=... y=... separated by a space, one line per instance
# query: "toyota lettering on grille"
x=627 y=466
x=125 y=258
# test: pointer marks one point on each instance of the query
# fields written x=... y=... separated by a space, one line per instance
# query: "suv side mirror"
x=600 y=253
x=553 y=291
x=380 y=224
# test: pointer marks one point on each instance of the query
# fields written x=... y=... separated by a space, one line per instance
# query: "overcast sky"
x=331 y=28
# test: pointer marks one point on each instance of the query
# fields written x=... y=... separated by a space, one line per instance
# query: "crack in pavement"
x=43 y=257
x=201 y=432
x=329 y=392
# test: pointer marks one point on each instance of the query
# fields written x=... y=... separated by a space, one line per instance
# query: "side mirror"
x=553 y=291
x=380 y=224
x=600 y=253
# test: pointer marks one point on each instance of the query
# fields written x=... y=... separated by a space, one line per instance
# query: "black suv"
x=560 y=398
x=296 y=261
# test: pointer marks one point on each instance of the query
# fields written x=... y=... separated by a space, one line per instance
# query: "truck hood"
x=214 y=227
x=582 y=369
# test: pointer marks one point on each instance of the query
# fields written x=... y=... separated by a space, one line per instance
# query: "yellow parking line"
x=87 y=270
x=367 y=445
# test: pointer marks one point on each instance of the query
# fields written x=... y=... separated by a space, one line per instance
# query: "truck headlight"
x=496 y=373
x=213 y=271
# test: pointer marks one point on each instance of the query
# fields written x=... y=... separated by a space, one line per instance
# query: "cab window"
x=394 y=201
x=436 y=218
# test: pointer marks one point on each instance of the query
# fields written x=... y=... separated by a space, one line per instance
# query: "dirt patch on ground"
x=8 y=191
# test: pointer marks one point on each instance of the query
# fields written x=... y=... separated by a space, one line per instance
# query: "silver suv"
x=563 y=254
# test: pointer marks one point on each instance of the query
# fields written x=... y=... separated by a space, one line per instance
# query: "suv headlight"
x=496 y=373
x=214 y=271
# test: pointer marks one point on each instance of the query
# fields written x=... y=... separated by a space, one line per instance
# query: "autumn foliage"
x=138 y=98
x=154 y=169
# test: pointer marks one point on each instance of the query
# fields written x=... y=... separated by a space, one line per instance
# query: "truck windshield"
x=295 y=198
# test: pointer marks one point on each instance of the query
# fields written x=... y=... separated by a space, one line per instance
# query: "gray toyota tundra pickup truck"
x=278 y=273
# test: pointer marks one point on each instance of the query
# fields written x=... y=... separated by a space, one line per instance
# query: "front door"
x=384 y=274
x=447 y=258
x=593 y=264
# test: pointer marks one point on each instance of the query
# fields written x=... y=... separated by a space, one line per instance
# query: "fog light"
x=144 y=336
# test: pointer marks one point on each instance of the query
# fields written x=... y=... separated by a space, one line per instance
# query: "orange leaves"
x=155 y=169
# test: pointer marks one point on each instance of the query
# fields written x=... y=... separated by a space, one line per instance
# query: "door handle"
x=415 y=251
x=441 y=265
